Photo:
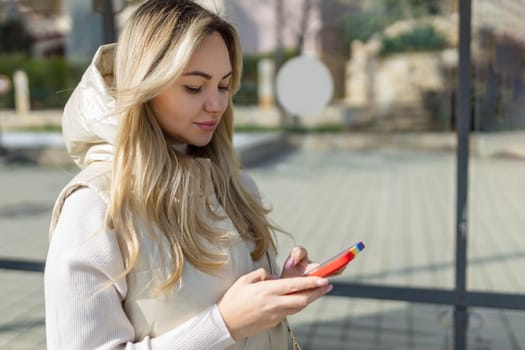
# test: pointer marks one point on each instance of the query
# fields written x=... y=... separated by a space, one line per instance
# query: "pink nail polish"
x=329 y=288
x=289 y=263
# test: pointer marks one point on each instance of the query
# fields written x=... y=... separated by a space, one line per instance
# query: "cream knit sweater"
x=78 y=316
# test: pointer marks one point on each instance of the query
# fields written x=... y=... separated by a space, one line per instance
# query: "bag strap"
x=295 y=343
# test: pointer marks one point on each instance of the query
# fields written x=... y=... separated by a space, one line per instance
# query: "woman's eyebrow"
x=205 y=75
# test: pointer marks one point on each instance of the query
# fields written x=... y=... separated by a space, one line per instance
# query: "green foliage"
x=424 y=7
x=421 y=38
x=318 y=129
x=367 y=21
x=248 y=93
x=38 y=128
x=361 y=26
x=51 y=81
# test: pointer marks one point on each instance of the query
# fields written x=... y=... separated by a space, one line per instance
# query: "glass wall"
x=497 y=245
x=386 y=177
x=377 y=164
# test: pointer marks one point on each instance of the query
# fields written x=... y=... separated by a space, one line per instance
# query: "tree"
x=307 y=6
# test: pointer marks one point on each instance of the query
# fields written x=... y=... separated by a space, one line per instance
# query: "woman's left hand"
x=297 y=263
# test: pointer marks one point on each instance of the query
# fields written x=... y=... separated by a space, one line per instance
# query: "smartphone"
x=336 y=262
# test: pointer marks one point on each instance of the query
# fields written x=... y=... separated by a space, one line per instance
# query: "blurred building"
x=72 y=28
x=44 y=21
x=67 y=28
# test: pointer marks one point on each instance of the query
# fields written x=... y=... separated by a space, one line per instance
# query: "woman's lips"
x=208 y=125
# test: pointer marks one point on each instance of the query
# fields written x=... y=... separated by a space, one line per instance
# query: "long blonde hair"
x=153 y=184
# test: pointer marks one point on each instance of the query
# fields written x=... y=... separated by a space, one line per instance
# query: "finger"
x=310 y=267
x=304 y=263
x=295 y=284
x=257 y=276
x=297 y=301
x=297 y=254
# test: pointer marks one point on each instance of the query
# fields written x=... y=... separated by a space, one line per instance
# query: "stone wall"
x=411 y=85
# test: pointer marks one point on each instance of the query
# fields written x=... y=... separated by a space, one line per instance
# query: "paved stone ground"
x=26 y=200
x=399 y=202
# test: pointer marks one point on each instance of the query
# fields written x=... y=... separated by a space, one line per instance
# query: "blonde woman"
x=161 y=241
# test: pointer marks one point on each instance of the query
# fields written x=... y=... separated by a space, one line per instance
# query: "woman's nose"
x=215 y=102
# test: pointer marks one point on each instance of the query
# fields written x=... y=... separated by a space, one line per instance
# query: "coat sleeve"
x=83 y=305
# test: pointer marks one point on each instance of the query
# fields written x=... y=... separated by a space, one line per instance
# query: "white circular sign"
x=304 y=86
x=5 y=84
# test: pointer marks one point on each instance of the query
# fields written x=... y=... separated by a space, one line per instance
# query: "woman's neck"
x=181 y=147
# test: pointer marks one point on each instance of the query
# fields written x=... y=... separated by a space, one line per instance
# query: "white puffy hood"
x=89 y=123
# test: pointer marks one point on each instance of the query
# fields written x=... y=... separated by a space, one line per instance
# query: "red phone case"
x=337 y=262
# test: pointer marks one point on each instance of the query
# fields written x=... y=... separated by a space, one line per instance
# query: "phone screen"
x=336 y=262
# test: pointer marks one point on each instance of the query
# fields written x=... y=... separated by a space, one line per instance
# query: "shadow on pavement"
x=22 y=265
x=22 y=325
x=412 y=326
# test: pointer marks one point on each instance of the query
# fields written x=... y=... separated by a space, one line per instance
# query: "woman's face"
x=190 y=109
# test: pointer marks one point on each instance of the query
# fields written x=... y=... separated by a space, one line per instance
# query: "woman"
x=161 y=242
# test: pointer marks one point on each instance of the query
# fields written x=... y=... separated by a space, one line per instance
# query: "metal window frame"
x=459 y=297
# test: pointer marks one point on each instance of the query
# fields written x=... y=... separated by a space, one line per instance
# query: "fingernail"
x=289 y=263
x=329 y=288
x=275 y=277
x=321 y=282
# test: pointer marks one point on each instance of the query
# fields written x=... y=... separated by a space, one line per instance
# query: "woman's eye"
x=224 y=88
x=192 y=89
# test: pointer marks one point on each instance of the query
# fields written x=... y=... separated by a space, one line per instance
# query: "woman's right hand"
x=258 y=301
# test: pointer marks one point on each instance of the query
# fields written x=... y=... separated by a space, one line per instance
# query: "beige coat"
x=89 y=131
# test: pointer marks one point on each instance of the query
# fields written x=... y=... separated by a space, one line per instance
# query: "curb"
x=50 y=150
x=256 y=148
x=263 y=148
